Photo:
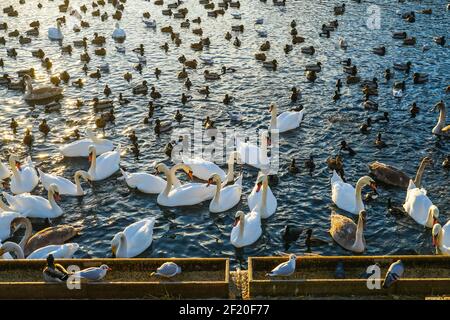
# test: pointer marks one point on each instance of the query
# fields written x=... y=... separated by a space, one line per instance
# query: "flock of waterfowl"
x=214 y=184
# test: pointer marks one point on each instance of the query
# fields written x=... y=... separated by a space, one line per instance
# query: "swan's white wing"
x=343 y=195
x=6 y=217
x=139 y=236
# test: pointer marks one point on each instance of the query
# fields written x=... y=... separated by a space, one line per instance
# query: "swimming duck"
x=161 y=127
x=28 y=138
x=365 y=127
x=311 y=76
x=381 y=51
x=409 y=41
x=297 y=40
x=227 y=99
x=204 y=91
x=293 y=167
x=265 y=46
x=273 y=65
x=403 y=66
x=345 y=147
x=11 y=52
x=309 y=163
x=98 y=40
x=394 y=210
x=100 y=52
x=311 y=241
x=380 y=143
x=414 y=110
x=13 y=124
x=211 y=75
x=44 y=127
x=178 y=116
x=446 y=162
x=23 y=40
x=339 y=10
x=295 y=94
x=67 y=49
x=155 y=94
x=191 y=64
x=96 y=74
x=419 y=78
x=260 y=56
x=141 y=88
x=106 y=90
x=102 y=104
x=237 y=42
x=288 y=48
x=308 y=50
x=387 y=74
x=128 y=76
x=185 y=98
x=165 y=47
x=439 y=40
x=317 y=67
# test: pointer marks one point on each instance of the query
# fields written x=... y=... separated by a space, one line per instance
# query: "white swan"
x=187 y=194
x=286 y=121
x=134 y=239
x=263 y=201
x=65 y=186
x=348 y=234
x=31 y=206
x=24 y=178
x=6 y=217
x=246 y=229
x=226 y=197
x=253 y=155
x=149 y=183
x=55 y=33
x=5 y=173
x=441 y=128
x=204 y=169
x=419 y=206
x=119 y=34
x=63 y=251
x=441 y=238
x=104 y=165
x=80 y=148
x=8 y=247
x=345 y=196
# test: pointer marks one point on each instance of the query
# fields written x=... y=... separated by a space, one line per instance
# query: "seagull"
x=167 y=270
x=284 y=269
x=94 y=273
x=394 y=273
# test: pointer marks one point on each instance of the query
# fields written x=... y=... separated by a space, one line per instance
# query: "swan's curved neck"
x=265 y=187
x=78 y=182
x=93 y=166
x=273 y=120
x=51 y=199
x=241 y=226
x=359 y=244
x=28 y=231
x=218 y=188
x=419 y=174
x=14 y=248
x=171 y=178
x=230 y=174
x=358 y=190
x=442 y=116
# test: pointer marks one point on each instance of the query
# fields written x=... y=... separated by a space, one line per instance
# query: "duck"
x=388 y=74
x=185 y=195
x=155 y=94
x=128 y=76
x=393 y=210
x=211 y=75
x=439 y=40
x=98 y=40
x=161 y=126
x=149 y=183
x=80 y=43
x=100 y=52
x=381 y=51
x=11 y=52
x=445 y=163
x=54 y=272
x=24 y=179
x=419 y=78
x=265 y=46
x=246 y=229
x=204 y=91
x=65 y=186
x=406 y=67
x=104 y=165
x=134 y=239
x=348 y=234
x=380 y=143
x=441 y=238
x=286 y=121
x=399 y=35
x=293 y=167
x=311 y=241
x=263 y=202
x=273 y=65
x=80 y=148
x=398 y=88
x=44 y=127
x=141 y=88
x=225 y=197
x=261 y=56
x=119 y=34
x=24 y=40
x=55 y=33
x=417 y=204
x=317 y=67
x=441 y=129
x=311 y=76
x=345 y=196
x=309 y=163
x=32 y=206
x=28 y=138
x=237 y=42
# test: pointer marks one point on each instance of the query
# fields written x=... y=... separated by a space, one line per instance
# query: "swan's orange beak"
x=270 y=108
x=236 y=221
x=57 y=196
x=109 y=269
x=18 y=165
x=258 y=186
x=435 y=221
x=190 y=175
x=373 y=185
x=90 y=157
x=209 y=182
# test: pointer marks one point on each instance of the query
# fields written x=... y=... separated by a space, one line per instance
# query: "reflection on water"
x=304 y=199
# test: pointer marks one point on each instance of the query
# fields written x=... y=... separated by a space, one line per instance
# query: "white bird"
x=284 y=269
x=93 y=273
x=55 y=33
x=24 y=178
x=246 y=229
x=32 y=206
x=285 y=121
x=80 y=148
x=64 y=251
x=10 y=247
x=5 y=173
x=394 y=273
x=226 y=197
x=204 y=169
x=342 y=43
x=134 y=239
x=346 y=197
x=6 y=217
x=167 y=270
x=265 y=202
x=253 y=155
x=65 y=186
x=119 y=34
x=419 y=206
x=441 y=238
x=104 y=165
